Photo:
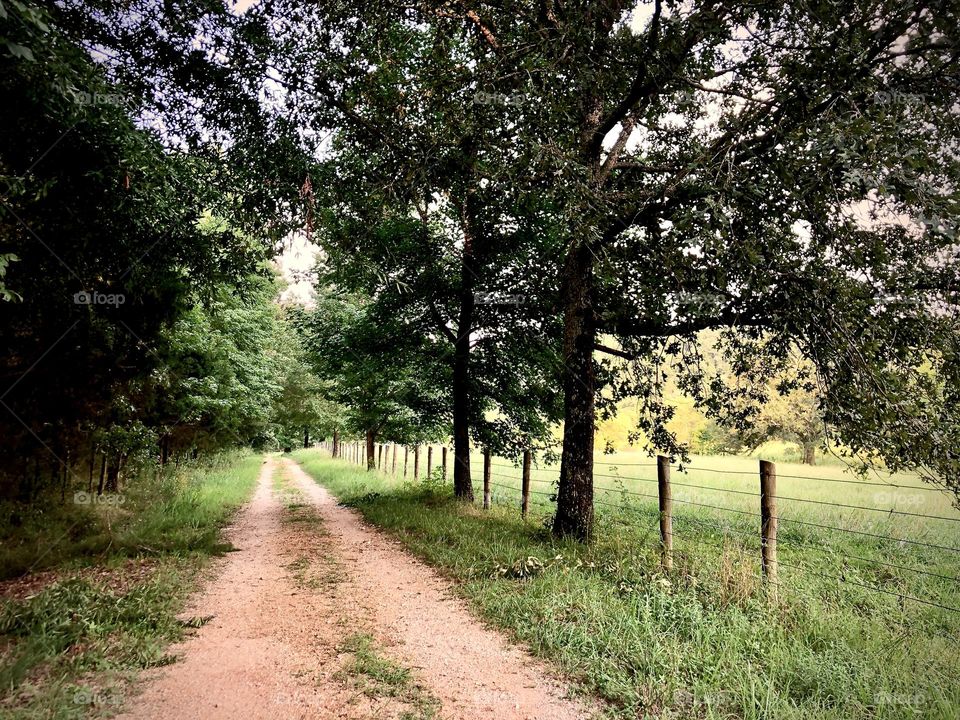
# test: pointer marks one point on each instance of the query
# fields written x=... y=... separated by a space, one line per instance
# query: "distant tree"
x=391 y=382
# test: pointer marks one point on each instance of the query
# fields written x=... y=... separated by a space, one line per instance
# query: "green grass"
x=703 y=641
x=378 y=676
x=182 y=512
x=68 y=650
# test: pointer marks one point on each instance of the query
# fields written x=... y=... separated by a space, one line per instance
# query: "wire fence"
x=911 y=554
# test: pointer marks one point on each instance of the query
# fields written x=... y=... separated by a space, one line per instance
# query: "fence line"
x=766 y=512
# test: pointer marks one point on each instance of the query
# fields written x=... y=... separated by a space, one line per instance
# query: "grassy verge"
x=700 y=642
x=110 y=604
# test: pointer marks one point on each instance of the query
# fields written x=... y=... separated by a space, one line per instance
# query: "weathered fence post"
x=416 y=462
x=429 y=459
x=486 y=478
x=393 y=466
x=380 y=457
x=768 y=523
x=444 y=461
x=525 y=485
x=406 y=450
x=666 y=511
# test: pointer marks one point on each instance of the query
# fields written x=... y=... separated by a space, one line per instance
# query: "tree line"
x=529 y=211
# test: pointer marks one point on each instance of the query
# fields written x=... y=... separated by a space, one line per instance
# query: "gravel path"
x=299 y=587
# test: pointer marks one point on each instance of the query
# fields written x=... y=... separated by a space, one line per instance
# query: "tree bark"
x=574 y=516
x=462 y=480
x=336 y=444
x=113 y=476
x=371 y=457
x=103 y=470
x=809 y=453
x=306 y=436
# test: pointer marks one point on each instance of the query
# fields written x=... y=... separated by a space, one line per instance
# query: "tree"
x=119 y=243
x=709 y=160
x=409 y=205
x=390 y=382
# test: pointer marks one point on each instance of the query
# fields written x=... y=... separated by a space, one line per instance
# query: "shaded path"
x=272 y=649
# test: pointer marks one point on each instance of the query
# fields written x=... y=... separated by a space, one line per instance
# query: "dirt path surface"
x=309 y=579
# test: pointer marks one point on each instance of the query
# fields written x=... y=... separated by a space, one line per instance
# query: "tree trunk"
x=462 y=481
x=93 y=461
x=306 y=436
x=336 y=444
x=103 y=470
x=371 y=457
x=809 y=453
x=113 y=477
x=574 y=516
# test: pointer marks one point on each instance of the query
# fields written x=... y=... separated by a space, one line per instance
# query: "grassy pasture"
x=703 y=641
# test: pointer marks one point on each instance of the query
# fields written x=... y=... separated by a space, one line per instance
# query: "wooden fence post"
x=406 y=450
x=768 y=523
x=416 y=462
x=444 y=455
x=666 y=511
x=380 y=457
x=393 y=466
x=525 y=502
x=486 y=479
x=429 y=459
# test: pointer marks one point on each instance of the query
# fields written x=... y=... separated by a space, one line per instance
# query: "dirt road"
x=317 y=615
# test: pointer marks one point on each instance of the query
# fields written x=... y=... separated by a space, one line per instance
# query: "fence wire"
x=611 y=516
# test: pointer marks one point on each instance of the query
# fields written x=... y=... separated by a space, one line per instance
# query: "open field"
x=703 y=640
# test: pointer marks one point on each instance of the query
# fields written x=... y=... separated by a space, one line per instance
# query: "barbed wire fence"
x=762 y=524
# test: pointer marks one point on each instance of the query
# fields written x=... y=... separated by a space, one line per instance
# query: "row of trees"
x=138 y=315
x=566 y=194
x=530 y=210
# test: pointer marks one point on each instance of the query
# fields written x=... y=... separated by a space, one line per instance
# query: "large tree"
x=784 y=173
x=791 y=167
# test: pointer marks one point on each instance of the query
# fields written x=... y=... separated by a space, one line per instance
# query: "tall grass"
x=702 y=641
x=178 y=512
x=122 y=574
